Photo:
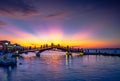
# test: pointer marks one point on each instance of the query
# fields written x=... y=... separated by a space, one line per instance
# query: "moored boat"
x=7 y=62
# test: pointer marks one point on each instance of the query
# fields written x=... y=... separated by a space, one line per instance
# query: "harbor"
x=59 y=40
x=8 y=55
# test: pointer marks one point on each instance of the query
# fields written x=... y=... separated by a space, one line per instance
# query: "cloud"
x=57 y=15
x=2 y=23
x=17 y=8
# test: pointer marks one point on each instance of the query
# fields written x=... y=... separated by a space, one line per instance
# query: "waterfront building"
x=2 y=46
x=5 y=42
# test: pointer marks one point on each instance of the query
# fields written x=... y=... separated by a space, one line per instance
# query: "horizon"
x=85 y=24
x=39 y=45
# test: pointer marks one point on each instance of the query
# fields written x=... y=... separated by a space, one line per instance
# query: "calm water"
x=56 y=66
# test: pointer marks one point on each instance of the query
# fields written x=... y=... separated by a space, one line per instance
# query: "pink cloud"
x=2 y=23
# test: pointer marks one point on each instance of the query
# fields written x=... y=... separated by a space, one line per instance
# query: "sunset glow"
x=77 y=24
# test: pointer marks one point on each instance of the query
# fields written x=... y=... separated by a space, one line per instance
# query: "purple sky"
x=85 y=23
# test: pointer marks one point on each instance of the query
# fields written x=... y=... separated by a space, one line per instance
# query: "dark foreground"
x=56 y=66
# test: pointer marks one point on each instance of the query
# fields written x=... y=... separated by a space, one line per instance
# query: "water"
x=56 y=66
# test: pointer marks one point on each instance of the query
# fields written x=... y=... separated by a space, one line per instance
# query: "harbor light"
x=15 y=45
x=6 y=43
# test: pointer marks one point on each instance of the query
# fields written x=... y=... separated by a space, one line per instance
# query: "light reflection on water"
x=56 y=66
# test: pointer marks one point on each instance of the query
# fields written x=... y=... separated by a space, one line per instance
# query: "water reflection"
x=51 y=60
x=7 y=73
x=69 y=60
x=57 y=66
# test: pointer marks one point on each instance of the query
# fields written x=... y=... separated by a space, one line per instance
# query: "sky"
x=78 y=23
